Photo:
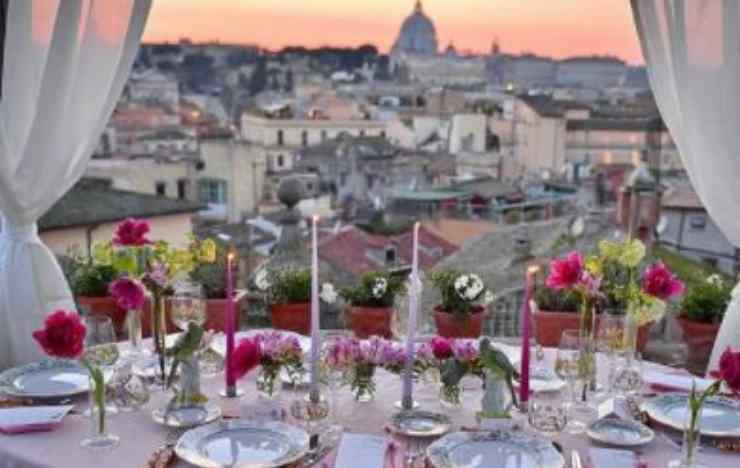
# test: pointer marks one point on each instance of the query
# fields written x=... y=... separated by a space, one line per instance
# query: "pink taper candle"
x=526 y=330
x=315 y=324
x=230 y=324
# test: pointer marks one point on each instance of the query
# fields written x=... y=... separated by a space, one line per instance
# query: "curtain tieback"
x=27 y=233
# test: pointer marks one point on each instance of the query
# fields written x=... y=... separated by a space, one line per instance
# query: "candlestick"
x=315 y=344
x=526 y=330
x=407 y=400
x=230 y=326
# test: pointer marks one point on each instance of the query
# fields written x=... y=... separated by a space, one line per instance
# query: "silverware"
x=575 y=459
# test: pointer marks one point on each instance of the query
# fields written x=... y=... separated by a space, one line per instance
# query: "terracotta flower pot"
x=699 y=337
x=146 y=319
x=105 y=306
x=453 y=326
x=368 y=321
x=216 y=312
x=293 y=317
x=549 y=326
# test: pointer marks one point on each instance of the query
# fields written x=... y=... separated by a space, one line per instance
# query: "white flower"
x=380 y=287
x=715 y=280
x=488 y=298
x=328 y=294
x=261 y=280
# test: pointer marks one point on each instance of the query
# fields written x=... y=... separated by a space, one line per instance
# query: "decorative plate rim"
x=646 y=434
x=652 y=409
x=443 y=421
x=213 y=413
x=8 y=377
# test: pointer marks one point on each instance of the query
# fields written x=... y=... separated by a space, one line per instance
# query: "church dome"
x=418 y=34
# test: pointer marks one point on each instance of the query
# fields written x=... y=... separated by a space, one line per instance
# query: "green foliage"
x=290 y=286
x=375 y=289
x=212 y=276
x=87 y=278
x=451 y=300
x=706 y=301
x=690 y=271
x=560 y=301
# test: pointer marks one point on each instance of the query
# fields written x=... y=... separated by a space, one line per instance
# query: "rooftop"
x=682 y=198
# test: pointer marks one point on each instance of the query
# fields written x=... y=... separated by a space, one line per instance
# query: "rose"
x=659 y=282
x=729 y=368
x=63 y=335
x=246 y=356
x=128 y=292
x=441 y=348
x=132 y=233
x=565 y=272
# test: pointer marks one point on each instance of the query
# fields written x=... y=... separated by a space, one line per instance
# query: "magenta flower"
x=128 y=293
x=247 y=355
x=441 y=348
x=339 y=353
x=565 y=272
x=63 y=335
x=132 y=233
x=658 y=281
x=465 y=350
x=729 y=368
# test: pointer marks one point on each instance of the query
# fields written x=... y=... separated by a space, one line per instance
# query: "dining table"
x=140 y=435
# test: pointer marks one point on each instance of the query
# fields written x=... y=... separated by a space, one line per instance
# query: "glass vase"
x=587 y=334
x=691 y=437
x=450 y=396
x=363 y=384
x=268 y=384
x=159 y=320
x=133 y=324
x=99 y=438
x=629 y=336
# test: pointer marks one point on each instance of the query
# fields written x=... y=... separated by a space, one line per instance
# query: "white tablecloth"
x=140 y=436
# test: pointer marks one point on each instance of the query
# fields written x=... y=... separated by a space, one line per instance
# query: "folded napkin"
x=31 y=418
x=365 y=450
x=662 y=381
x=612 y=458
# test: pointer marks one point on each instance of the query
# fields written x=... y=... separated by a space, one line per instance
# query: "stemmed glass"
x=574 y=365
x=610 y=341
x=101 y=350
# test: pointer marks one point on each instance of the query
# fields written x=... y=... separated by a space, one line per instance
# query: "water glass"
x=627 y=376
x=573 y=364
x=186 y=309
x=547 y=413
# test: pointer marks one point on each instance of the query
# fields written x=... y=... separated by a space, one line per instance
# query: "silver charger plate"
x=720 y=417
x=620 y=432
x=48 y=378
x=243 y=444
x=480 y=449
x=420 y=424
x=187 y=417
x=219 y=341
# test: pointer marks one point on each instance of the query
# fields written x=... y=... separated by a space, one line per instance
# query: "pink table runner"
x=140 y=436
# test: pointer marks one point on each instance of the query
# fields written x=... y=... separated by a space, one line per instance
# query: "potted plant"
x=288 y=293
x=702 y=309
x=555 y=312
x=212 y=278
x=89 y=283
x=371 y=304
x=463 y=300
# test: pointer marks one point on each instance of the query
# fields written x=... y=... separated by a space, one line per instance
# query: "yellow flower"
x=102 y=253
x=609 y=250
x=593 y=265
x=632 y=253
x=207 y=251
x=180 y=261
x=650 y=310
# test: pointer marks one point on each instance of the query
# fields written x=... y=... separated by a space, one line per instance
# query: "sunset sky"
x=552 y=27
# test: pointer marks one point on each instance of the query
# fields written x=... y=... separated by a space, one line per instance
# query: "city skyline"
x=553 y=28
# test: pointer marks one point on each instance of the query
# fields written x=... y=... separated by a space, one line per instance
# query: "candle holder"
x=311 y=413
x=231 y=392
x=406 y=404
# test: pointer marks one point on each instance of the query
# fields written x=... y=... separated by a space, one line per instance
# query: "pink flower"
x=63 y=335
x=339 y=354
x=441 y=348
x=128 y=292
x=132 y=233
x=394 y=356
x=246 y=356
x=565 y=272
x=277 y=345
x=659 y=282
x=590 y=283
x=729 y=368
x=158 y=276
x=464 y=350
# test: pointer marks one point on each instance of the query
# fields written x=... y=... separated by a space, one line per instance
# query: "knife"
x=575 y=459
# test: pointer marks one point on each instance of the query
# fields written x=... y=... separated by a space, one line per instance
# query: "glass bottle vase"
x=363 y=384
x=133 y=324
x=268 y=382
x=691 y=438
x=450 y=396
x=159 y=320
x=99 y=438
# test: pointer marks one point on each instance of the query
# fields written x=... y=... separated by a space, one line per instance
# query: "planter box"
x=699 y=337
x=107 y=307
x=216 y=312
x=292 y=317
x=549 y=326
x=368 y=321
x=452 y=326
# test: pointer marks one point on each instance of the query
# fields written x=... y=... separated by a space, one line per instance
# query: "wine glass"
x=575 y=366
x=610 y=341
x=101 y=349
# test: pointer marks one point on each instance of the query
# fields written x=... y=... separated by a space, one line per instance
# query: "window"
x=280 y=160
x=309 y=187
x=182 y=189
x=160 y=188
x=304 y=138
x=698 y=222
x=280 y=138
x=212 y=191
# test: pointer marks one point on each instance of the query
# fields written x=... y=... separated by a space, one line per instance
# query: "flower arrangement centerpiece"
x=455 y=359
x=278 y=351
x=155 y=265
x=371 y=303
x=358 y=359
x=63 y=337
x=727 y=376
x=288 y=293
x=463 y=298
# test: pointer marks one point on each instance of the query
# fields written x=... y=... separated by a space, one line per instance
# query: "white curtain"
x=65 y=65
x=692 y=50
